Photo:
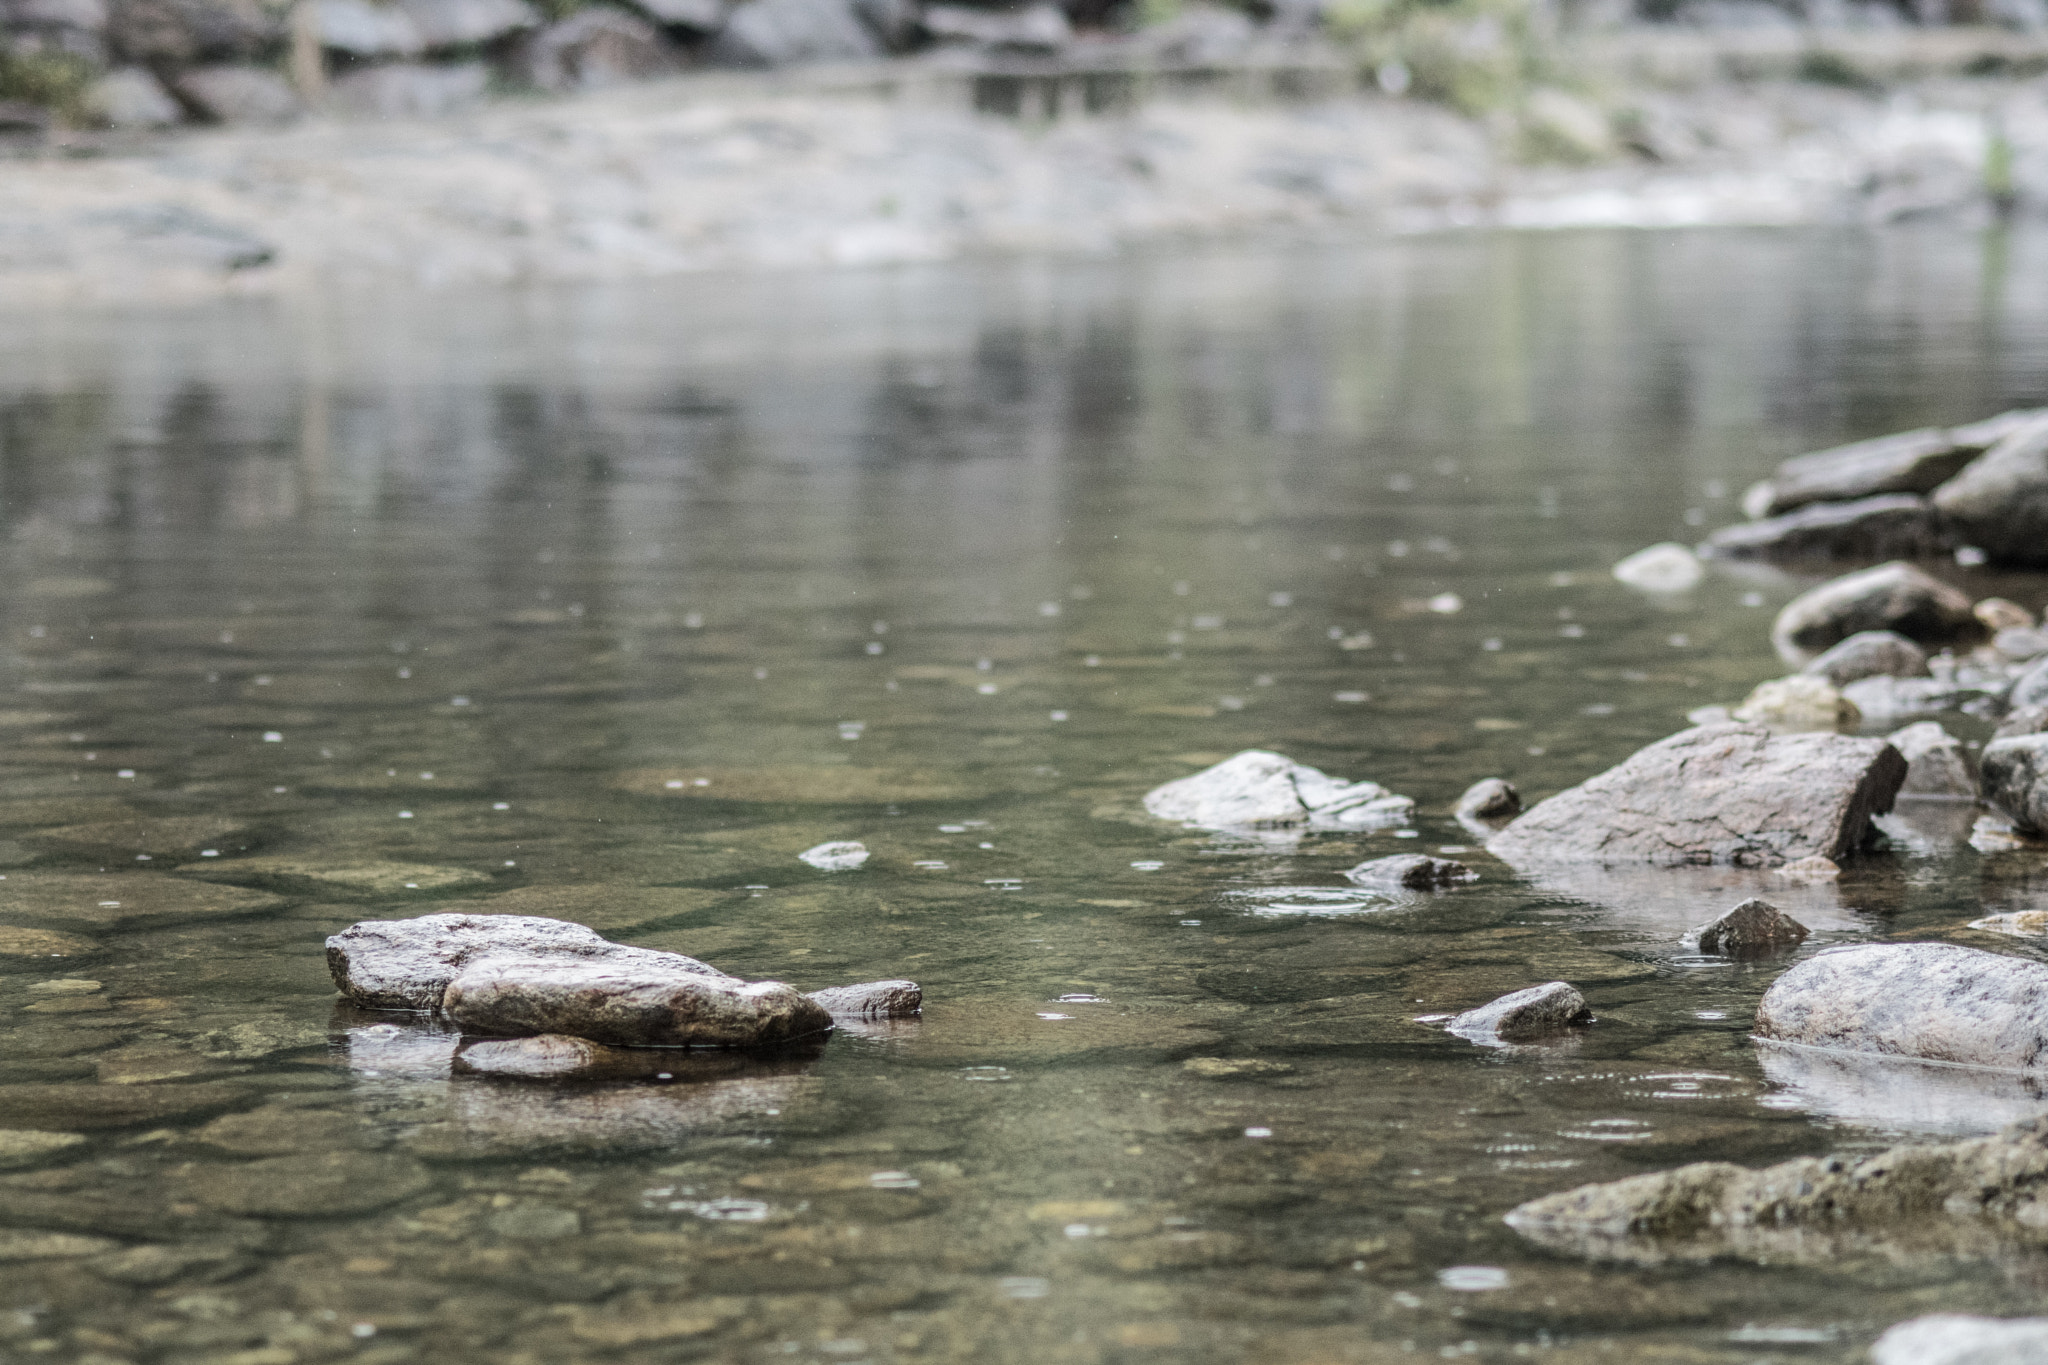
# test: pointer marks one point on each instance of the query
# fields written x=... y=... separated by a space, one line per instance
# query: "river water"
x=605 y=604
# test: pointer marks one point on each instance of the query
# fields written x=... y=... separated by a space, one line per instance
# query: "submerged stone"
x=1415 y=871
x=1490 y=798
x=843 y=856
x=93 y=1107
x=312 y=1185
x=16 y=941
x=29 y=1146
x=628 y=1003
x=1665 y=567
x=1939 y=1002
x=124 y=900
x=1870 y=654
x=369 y=877
x=407 y=964
x=1530 y=1013
x=1234 y=1068
x=1256 y=789
x=174 y=836
x=1753 y=927
x=872 y=1000
x=1896 y=597
x=1734 y=794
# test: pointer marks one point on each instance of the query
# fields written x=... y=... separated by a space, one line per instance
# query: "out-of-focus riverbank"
x=895 y=164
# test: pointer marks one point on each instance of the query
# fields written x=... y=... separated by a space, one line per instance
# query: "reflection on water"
x=609 y=604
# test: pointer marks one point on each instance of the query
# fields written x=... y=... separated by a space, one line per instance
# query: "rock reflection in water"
x=1899 y=1094
x=1672 y=900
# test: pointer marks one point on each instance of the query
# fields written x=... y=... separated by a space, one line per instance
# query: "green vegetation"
x=57 y=81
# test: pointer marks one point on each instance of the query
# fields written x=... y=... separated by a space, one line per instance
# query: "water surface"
x=605 y=604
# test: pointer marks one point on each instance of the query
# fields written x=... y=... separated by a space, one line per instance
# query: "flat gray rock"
x=313 y=1185
x=2015 y=771
x=872 y=1000
x=1752 y=928
x=1260 y=790
x=1999 y=503
x=1729 y=794
x=1891 y=526
x=1413 y=871
x=1938 y=1002
x=1897 y=597
x=1938 y=768
x=627 y=1003
x=1870 y=654
x=1490 y=798
x=1904 y=462
x=407 y=964
x=1957 y=1339
x=1530 y=1013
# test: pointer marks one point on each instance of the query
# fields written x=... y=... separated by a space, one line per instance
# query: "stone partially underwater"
x=1717 y=794
x=1934 y=1002
x=524 y=977
x=1256 y=789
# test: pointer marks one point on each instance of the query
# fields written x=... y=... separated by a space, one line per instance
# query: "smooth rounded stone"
x=94 y=1107
x=1530 y=1013
x=280 y=1130
x=369 y=877
x=1938 y=768
x=1938 y=1002
x=1490 y=798
x=1414 y=871
x=1896 y=597
x=1870 y=654
x=1999 y=503
x=872 y=1000
x=155 y=1265
x=2015 y=775
x=123 y=901
x=2002 y=614
x=1958 y=1339
x=1753 y=927
x=257 y=1038
x=1733 y=794
x=843 y=856
x=1890 y=526
x=407 y=964
x=628 y=1004
x=1800 y=702
x=30 y=1147
x=175 y=836
x=1257 y=789
x=1900 y=1094
x=823 y=784
x=51 y=1246
x=309 y=1185
x=1903 y=462
x=1664 y=567
x=2021 y=643
x=16 y=941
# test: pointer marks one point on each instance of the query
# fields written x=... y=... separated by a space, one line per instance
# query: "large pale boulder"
x=1730 y=794
x=1260 y=790
x=1896 y=597
x=1938 y=1002
x=627 y=1004
x=1999 y=503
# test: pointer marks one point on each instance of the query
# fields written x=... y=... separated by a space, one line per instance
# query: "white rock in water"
x=1261 y=790
x=1956 y=1339
x=839 y=857
x=1666 y=567
x=1800 y=702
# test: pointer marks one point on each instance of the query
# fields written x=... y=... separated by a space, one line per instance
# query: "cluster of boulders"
x=1980 y=488
x=159 y=62
x=547 y=999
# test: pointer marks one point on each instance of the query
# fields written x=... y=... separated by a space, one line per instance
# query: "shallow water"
x=434 y=601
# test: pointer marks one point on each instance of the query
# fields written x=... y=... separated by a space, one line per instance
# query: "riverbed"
x=605 y=602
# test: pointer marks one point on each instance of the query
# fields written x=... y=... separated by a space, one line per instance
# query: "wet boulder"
x=1892 y=526
x=1999 y=503
x=1260 y=790
x=1412 y=871
x=1982 y=1196
x=1752 y=928
x=2015 y=773
x=1896 y=597
x=407 y=964
x=639 y=1003
x=1937 y=1002
x=1800 y=702
x=1869 y=654
x=1490 y=798
x=1937 y=766
x=1716 y=794
x=872 y=1000
x=1531 y=1013
x=1904 y=462
x=1957 y=1339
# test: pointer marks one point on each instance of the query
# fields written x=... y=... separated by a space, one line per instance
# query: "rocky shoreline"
x=937 y=157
